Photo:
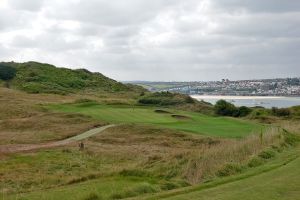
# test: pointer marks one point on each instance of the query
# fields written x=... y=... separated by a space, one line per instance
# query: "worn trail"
x=13 y=148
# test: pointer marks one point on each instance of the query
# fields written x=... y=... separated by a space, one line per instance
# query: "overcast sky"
x=158 y=40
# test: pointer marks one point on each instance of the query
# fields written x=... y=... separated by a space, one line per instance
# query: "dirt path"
x=13 y=148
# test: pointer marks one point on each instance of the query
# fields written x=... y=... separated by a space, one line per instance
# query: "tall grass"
x=230 y=156
x=223 y=157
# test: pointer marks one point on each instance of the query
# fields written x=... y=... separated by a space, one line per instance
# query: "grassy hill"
x=34 y=77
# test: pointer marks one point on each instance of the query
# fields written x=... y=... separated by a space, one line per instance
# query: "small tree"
x=7 y=73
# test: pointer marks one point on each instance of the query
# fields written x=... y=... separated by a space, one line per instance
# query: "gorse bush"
x=225 y=108
x=281 y=112
x=7 y=72
x=165 y=99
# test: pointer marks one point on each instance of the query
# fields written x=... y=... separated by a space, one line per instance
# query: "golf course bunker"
x=181 y=117
x=162 y=111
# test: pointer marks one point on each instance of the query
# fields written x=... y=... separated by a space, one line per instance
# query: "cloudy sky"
x=163 y=40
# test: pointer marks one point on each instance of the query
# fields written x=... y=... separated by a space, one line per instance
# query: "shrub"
x=225 y=108
x=244 y=111
x=229 y=169
x=281 y=112
x=254 y=162
x=165 y=99
x=6 y=72
x=267 y=154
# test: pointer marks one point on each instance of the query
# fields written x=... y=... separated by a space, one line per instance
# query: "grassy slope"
x=196 y=123
x=34 y=77
x=277 y=180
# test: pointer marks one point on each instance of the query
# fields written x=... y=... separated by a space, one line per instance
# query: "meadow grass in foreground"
x=277 y=180
x=102 y=172
x=180 y=120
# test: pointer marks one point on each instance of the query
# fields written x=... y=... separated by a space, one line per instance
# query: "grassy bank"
x=276 y=180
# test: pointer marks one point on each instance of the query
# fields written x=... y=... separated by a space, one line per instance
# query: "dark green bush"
x=243 y=111
x=281 y=112
x=225 y=108
x=7 y=72
x=166 y=99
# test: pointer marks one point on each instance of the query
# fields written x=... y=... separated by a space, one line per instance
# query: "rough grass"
x=194 y=122
x=131 y=163
x=131 y=151
x=278 y=180
x=23 y=120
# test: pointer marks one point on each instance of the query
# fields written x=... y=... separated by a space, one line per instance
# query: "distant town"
x=261 y=87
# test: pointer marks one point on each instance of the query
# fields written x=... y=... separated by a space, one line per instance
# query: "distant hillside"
x=34 y=77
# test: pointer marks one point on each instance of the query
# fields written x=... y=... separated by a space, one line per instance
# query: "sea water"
x=251 y=101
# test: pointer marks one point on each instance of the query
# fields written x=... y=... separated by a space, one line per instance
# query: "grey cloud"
x=111 y=13
x=259 y=5
x=159 y=39
x=48 y=42
x=27 y=5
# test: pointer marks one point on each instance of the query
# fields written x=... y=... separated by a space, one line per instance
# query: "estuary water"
x=250 y=101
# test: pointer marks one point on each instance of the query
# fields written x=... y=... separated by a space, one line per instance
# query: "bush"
x=225 y=108
x=267 y=154
x=6 y=72
x=254 y=162
x=166 y=99
x=244 y=111
x=229 y=169
x=281 y=112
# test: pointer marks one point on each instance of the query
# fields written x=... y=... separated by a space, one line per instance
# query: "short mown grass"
x=180 y=120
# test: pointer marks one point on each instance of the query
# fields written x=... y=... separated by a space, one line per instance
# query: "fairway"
x=179 y=120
